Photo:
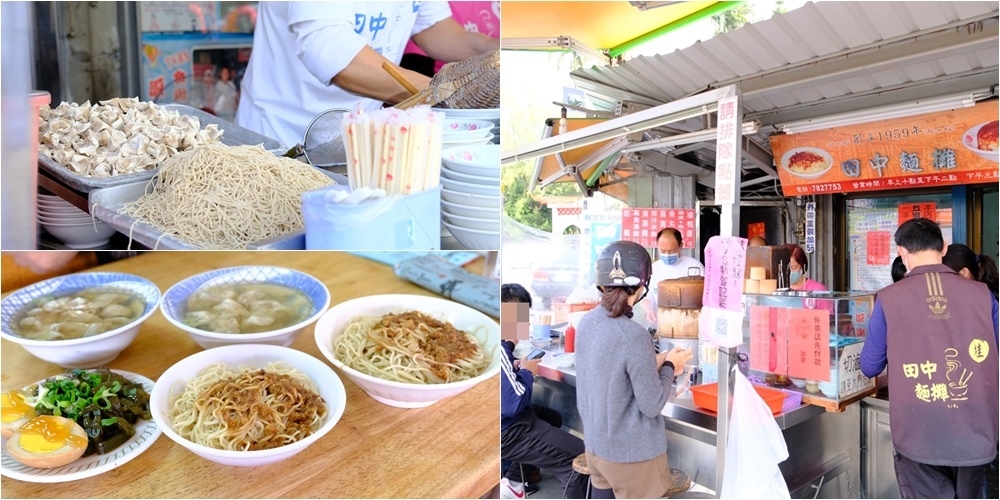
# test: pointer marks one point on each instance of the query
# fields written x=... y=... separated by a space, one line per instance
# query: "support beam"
x=637 y=122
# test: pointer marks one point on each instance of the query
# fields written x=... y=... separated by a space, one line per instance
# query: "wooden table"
x=450 y=449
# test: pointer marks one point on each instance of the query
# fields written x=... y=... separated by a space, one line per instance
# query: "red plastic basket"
x=707 y=396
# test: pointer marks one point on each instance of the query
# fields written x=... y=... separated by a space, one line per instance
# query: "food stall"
x=807 y=85
x=447 y=449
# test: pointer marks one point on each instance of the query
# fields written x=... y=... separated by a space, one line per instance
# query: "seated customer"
x=530 y=435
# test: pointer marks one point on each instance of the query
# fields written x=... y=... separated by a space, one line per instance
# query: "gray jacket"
x=619 y=393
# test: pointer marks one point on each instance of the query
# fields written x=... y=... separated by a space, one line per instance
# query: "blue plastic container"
x=411 y=222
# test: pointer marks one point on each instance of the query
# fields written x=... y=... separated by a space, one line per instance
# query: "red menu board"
x=641 y=224
x=768 y=339
x=909 y=211
x=809 y=344
x=878 y=248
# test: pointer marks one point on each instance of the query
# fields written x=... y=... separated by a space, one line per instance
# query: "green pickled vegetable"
x=104 y=403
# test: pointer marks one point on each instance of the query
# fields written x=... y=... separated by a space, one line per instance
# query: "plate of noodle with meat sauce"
x=410 y=351
x=807 y=163
x=248 y=404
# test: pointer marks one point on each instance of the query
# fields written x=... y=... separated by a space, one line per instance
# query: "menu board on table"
x=642 y=224
x=935 y=149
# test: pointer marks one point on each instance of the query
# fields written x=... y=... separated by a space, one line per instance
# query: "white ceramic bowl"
x=482 y=160
x=468 y=187
x=473 y=239
x=86 y=352
x=43 y=205
x=449 y=142
x=171 y=383
x=66 y=219
x=400 y=394
x=175 y=300
x=473 y=222
x=970 y=139
x=483 y=180
x=475 y=200
x=466 y=128
x=469 y=211
x=81 y=235
x=61 y=212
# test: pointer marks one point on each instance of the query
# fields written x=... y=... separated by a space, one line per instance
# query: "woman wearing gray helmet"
x=622 y=384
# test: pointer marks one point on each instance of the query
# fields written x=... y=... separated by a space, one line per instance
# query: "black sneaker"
x=530 y=488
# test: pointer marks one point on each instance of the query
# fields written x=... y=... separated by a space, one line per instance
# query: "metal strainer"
x=323 y=144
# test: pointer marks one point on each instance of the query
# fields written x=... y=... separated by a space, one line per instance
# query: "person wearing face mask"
x=797 y=268
x=623 y=384
x=936 y=334
x=671 y=264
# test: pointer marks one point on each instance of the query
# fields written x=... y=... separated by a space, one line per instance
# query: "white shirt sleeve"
x=430 y=13
x=325 y=40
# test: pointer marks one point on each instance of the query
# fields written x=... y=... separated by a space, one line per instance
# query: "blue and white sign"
x=810 y=227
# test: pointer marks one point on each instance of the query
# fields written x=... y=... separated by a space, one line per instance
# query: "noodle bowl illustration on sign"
x=807 y=163
x=410 y=351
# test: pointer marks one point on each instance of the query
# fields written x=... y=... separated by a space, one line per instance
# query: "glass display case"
x=809 y=342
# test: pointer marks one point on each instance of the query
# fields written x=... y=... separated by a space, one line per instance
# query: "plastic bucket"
x=411 y=222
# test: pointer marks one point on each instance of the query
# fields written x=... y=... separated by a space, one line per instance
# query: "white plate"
x=473 y=160
x=492 y=115
x=488 y=180
x=448 y=207
x=468 y=187
x=450 y=143
x=970 y=139
x=146 y=432
x=491 y=225
x=814 y=175
x=475 y=200
x=465 y=128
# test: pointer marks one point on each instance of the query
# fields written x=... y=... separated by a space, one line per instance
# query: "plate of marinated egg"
x=48 y=426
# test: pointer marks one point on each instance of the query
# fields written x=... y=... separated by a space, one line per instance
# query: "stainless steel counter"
x=824 y=448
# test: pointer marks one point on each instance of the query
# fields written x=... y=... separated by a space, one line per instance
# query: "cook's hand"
x=676 y=356
x=531 y=365
x=43 y=262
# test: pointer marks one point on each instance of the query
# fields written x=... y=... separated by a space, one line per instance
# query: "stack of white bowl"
x=470 y=195
x=490 y=115
x=74 y=227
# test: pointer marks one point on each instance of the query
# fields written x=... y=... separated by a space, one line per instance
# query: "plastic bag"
x=755 y=448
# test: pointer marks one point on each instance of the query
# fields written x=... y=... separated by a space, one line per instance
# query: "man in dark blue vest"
x=936 y=332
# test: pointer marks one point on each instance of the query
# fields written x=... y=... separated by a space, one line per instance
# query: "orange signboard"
x=937 y=149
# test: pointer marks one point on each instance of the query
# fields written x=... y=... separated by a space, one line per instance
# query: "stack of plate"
x=467 y=132
x=69 y=224
x=490 y=115
x=470 y=193
x=829 y=389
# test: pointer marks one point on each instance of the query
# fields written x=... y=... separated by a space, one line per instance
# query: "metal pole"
x=727 y=192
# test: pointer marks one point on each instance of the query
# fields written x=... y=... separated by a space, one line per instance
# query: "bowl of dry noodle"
x=410 y=351
x=248 y=404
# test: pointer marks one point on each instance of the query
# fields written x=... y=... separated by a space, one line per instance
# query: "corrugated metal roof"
x=803 y=57
x=821 y=59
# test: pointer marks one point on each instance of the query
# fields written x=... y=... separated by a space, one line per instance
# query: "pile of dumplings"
x=118 y=136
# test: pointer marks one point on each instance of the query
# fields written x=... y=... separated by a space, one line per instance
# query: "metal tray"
x=233 y=135
x=106 y=204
